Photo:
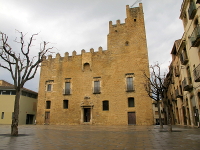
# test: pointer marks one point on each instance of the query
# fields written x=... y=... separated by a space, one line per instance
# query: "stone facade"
x=183 y=92
x=103 y=87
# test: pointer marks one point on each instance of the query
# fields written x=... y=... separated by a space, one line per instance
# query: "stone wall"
x=126 y=55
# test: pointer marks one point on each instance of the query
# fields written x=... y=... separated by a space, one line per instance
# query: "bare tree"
x=167 y=105
x=154 y=86
x=21 y=66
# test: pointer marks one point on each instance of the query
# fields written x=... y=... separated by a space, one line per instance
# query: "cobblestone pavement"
x=90 y=137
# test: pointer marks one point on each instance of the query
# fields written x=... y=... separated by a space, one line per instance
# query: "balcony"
x=186 y=83
x=173 y=97
x=184 y=58
x=196 y=73
x=66 y=91
x=195 y=37
x=176 y=71
x=192 y=10
x=178 y=94
x=172 y=79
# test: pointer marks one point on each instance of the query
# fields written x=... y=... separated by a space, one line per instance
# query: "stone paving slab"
x=90 y=137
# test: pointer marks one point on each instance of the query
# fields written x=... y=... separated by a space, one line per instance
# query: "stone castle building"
x=103 y=87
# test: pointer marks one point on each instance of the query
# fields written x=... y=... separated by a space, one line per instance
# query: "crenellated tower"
x=129 y=36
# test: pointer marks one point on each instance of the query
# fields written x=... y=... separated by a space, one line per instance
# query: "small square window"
x=65 y=104
x=105 y=105
x=131 y=102
x=48 y=104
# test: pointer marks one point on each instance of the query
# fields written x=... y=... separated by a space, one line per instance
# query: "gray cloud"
x=75 y=25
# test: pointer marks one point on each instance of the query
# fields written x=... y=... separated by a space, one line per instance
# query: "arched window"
x=86 y=66
x=131 y=102
x=105 y=105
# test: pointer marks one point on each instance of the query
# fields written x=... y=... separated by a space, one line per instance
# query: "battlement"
x=133 y=15
x=74 y=54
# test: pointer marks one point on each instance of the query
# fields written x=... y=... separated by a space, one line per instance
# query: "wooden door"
x=47 y=118
x=131 y=118
x=86 y=115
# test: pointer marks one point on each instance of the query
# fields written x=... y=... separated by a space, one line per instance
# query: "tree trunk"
x=159 y=113
x=170 y=125
x=15 y=119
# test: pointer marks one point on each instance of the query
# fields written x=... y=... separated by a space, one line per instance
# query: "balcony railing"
x=96 y=90
x=195 y=37
x=130 y=88
x=184 y=58
x=186 y=83
x=178 y=94
x=192 y=10
x=196 y=73
x=66 y=91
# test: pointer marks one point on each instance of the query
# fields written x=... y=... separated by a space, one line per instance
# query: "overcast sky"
x=83 y=24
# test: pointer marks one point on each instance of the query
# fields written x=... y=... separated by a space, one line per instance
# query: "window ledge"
x=97 y=93
x=67 y=94
x=130 y=90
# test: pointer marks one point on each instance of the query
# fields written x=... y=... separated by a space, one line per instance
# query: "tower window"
x=134 y=20
x=126 y=43
x=49 y=85
x=129 y=84
x=48 y=104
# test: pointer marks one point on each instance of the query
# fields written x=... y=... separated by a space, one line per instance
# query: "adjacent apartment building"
x=102 y=87
x=183 y=92
x=27 y=106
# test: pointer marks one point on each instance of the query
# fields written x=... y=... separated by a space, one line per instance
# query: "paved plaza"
x=89 y=137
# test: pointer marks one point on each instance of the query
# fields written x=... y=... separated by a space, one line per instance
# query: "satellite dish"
x=137 y=1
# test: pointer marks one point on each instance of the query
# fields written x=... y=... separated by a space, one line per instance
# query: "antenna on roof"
x=137 y=1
